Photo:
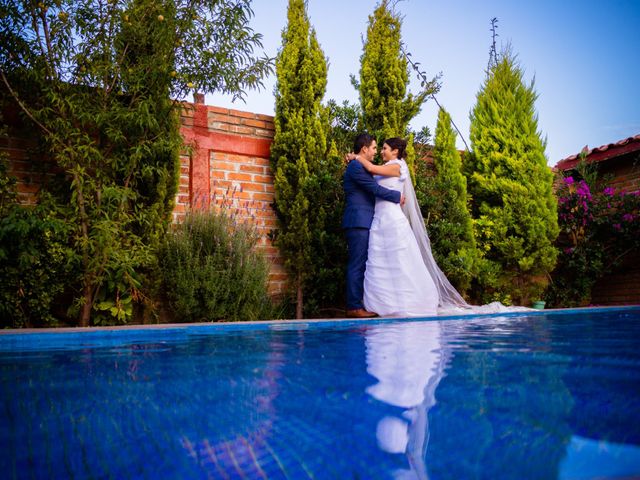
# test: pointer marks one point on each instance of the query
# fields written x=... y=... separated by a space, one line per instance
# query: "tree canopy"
x=101 y=83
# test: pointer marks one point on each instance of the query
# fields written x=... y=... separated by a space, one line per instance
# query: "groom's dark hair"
x=362 y=140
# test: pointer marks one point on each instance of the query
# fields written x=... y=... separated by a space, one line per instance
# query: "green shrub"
x=37 y=265
x=210 y=270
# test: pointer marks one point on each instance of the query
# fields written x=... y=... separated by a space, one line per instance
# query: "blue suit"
x=361 y=191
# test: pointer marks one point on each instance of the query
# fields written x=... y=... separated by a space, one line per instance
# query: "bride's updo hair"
x=397 y=143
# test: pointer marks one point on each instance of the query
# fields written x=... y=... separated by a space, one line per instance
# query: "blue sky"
x=584 y=56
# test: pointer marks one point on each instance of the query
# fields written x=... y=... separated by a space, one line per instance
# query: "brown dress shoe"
x=360 y=313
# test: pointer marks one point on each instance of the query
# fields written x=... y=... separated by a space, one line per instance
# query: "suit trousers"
x=358 y=248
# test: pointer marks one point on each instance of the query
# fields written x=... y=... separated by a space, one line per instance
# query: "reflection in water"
x=552 y=396
x=408 y=361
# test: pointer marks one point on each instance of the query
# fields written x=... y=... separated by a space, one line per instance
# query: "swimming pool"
x=550 y=394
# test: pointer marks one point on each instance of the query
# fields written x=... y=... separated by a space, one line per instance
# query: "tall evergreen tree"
x=450 y=225
x=514 y=210
x=299 y=144
x=387 y=108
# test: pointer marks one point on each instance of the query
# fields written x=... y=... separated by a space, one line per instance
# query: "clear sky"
x=583 y=55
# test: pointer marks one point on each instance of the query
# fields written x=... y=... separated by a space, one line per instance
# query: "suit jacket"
x=361 y=191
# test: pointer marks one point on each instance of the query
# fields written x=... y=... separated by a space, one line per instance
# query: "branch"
x=47 y=37
x=423 y=77
x=493 y=53
x=22 y=106
x=36 y=31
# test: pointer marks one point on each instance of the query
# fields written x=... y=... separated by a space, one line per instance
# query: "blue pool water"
x=543 y=395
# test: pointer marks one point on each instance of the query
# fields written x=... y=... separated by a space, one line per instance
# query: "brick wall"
x=227 y=166
x=621 y=287
x=624 y=172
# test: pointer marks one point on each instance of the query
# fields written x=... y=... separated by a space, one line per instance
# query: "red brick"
x=263 y=196
x=242 y=130
x=239 y=176
x=219 y=117
x=211 y=108
x=240 y=113
x=251 y=187
x=179 y=208
x=264 y=133
x=224 y=127
x=237 y=159
x=263 y=179
x=262 y=161
x=252 y=168
x=228 y=166
x=254 y=123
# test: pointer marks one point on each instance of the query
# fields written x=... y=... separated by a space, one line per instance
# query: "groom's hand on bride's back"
x=402 y=200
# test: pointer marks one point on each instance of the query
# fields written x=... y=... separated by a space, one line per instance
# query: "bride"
x=401 y=276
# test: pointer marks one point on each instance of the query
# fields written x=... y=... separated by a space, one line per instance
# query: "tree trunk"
x=299 y=303
x=85 y=315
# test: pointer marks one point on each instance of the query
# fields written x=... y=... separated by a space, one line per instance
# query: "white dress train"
x=402 y=278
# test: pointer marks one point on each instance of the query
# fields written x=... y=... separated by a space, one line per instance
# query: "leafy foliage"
x=211 y=270
x=36 y=265
x=325 y=289
x=299 y=147
x=95 y=79
x=449 y=221
x=345 y=122
x=514 y=208
x=600 y=228
x=387 y=108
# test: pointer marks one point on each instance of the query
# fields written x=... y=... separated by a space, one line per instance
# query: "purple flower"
x=568 y=180
x=568 y=250
x=608 y=191
x=583 y=189
x=628 y=217
x=617 y=226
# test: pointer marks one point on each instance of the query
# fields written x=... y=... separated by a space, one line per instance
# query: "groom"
x=360 y=190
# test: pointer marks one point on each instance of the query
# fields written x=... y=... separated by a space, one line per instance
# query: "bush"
x=210 y=270
x=599 y=229
x=37 y=265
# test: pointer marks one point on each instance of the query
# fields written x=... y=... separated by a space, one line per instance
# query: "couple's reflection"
x=408 y=361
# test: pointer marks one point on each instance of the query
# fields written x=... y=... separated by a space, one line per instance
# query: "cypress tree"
x=450 y=224
x=299 y=144
x=515 y=210
x=387 y=108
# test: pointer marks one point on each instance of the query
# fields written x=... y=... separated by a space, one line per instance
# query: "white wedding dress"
x=396 y=280
x=402 y=278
